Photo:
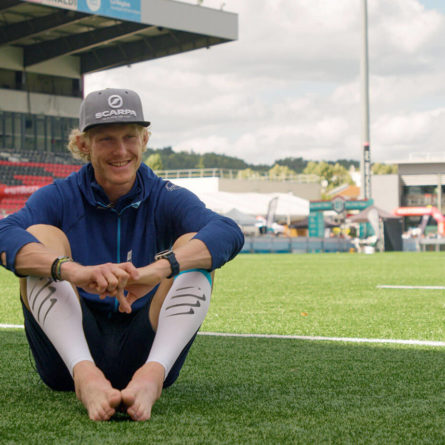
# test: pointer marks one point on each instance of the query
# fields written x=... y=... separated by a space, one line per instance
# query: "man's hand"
x=107 y=279
x=137 y=290
x=149 y=277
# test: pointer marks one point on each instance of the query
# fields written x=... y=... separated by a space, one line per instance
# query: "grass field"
x=237 y=390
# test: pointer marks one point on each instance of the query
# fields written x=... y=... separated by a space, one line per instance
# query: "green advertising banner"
x=316 y=224
x=316 y=219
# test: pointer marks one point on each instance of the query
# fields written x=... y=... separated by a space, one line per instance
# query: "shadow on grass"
x=248 y=390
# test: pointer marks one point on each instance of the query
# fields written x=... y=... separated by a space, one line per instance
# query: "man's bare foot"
x=143 y=390
x=95 y=391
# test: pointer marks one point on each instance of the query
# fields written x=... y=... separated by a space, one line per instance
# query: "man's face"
x=116 y=154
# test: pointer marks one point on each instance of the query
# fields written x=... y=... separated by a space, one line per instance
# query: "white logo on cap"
x=115 y=101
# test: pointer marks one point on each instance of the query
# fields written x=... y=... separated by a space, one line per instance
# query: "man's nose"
x=120 y=146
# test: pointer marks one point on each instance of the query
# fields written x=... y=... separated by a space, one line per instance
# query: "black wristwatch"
x=169 y=255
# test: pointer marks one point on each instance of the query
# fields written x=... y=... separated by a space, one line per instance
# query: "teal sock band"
x=206 y=273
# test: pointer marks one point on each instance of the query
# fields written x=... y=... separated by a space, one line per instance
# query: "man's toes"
x=115 y=399
x=134 y=412
x=128 y=398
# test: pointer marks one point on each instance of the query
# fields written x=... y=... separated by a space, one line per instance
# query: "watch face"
x=163 y=254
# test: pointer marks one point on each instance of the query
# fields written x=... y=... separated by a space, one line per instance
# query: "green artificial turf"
x=236 y=390
x=331 y=295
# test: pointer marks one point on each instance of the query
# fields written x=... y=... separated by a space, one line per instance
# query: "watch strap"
x=169 y=255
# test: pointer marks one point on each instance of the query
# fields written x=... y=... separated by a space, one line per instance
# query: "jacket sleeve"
x=41 y=208
x=183 y=212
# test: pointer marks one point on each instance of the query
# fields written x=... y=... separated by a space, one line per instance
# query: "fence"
x=234 y=174
x=279 y=244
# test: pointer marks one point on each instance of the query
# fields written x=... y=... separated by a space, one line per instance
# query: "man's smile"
x=119 y=163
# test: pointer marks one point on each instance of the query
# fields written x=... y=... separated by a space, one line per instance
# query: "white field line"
x=342 y=339
x=390 y=286
x=300 y=337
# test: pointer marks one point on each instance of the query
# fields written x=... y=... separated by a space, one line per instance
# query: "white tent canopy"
x=255 y=204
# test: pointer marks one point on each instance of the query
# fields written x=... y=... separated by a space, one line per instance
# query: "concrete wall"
x=422 y=173
x=421 y=168
x=49 y=105
x=385 y=191
x=311 y=191
x=11 y=58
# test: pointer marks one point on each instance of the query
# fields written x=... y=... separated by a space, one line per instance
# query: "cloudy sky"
x=290 y=86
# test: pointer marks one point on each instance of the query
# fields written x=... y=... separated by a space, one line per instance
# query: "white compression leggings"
x=56 y=308
x=181 y=315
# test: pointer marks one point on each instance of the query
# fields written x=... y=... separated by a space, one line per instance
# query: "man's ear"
x=82 y=143
x=145 y=136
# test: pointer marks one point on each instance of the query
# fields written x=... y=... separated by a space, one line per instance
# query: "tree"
x=247 y=173
x=154 y=161
x=296 y=164
x=335 y=174
x=340 y=176
x=200 y=163
x=280 y=171
x=384 y=169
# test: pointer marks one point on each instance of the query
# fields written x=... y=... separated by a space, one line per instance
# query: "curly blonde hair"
x=76 y=134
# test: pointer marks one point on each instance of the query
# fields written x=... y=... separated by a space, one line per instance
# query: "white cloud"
x=290 y=85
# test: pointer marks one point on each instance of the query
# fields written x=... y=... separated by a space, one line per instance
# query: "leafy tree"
x=321 y=169
x=214 y=160
x=172 y=160
x=200 y=163
x=154 y=161
x=280 y=171
x=384 y=169
x=335 y=174
x=248 y=173
x=295 y=164
x=340 y=176
x=346 y=163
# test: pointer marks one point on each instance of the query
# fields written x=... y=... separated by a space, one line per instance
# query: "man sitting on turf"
x=114 y=265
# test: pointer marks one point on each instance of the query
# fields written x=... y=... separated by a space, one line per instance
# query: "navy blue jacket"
x=145 y=221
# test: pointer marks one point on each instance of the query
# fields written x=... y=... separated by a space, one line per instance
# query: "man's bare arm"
x=191 y=255
x=104 y=279
x=35 y=259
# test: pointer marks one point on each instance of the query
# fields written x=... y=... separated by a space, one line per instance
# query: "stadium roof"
x=104 y=34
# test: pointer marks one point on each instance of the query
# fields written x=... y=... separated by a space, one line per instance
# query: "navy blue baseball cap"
x=111 y=106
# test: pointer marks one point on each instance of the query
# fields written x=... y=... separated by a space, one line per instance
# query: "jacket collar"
x=96 y=196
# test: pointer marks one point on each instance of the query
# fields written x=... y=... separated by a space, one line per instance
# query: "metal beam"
x=365 y=188
x=6 y=4
x=164 y=45
x=27 y=28
x=74 y=43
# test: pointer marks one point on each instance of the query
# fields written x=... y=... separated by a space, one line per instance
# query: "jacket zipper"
x=118 y=239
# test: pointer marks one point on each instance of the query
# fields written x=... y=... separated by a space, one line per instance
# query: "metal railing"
x=427 y=156
x=281 y=244
x=234 y=174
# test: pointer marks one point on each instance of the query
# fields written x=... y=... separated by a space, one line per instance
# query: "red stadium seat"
x=30 y=173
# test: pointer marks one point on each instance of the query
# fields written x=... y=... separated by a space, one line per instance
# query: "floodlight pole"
x=365 y=165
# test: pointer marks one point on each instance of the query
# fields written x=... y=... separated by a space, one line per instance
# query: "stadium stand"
x=46 y=49
x=29 y=168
